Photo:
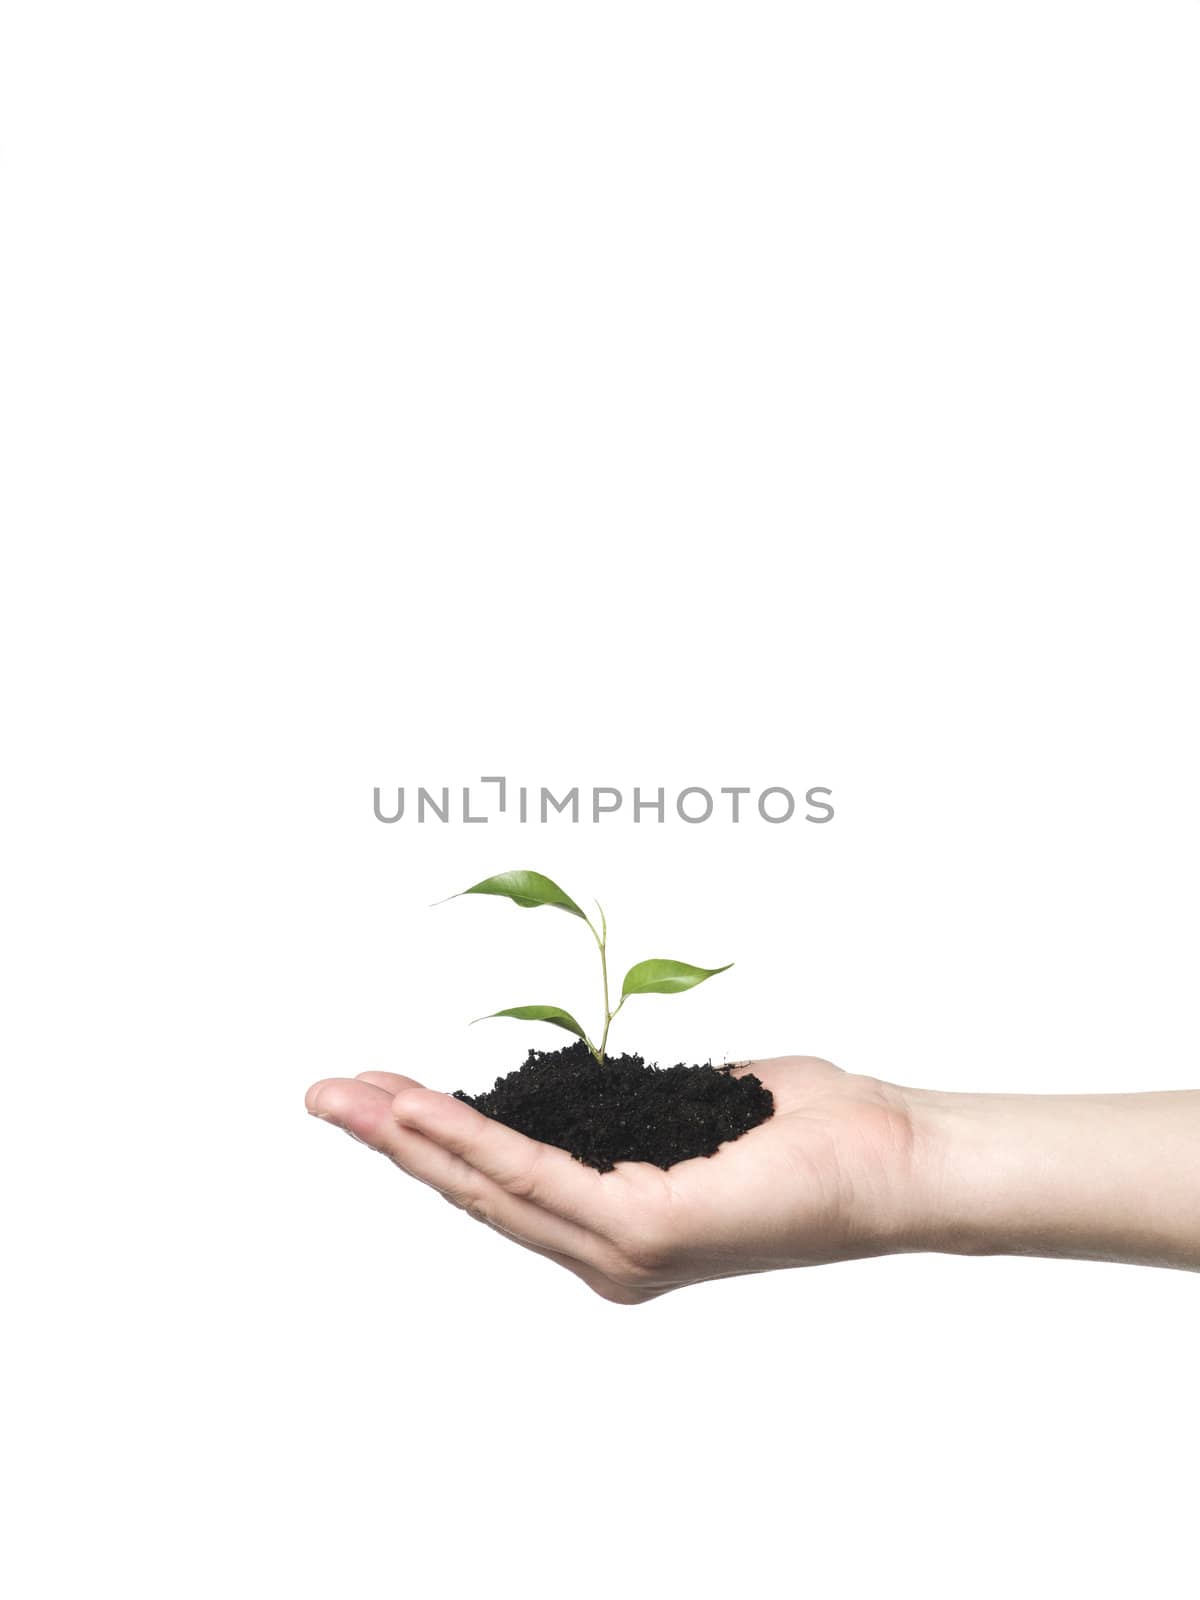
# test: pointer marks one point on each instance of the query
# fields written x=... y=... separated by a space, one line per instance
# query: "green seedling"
x=530 y=889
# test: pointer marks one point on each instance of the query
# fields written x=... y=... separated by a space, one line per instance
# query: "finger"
x=547 y=1176
x=420 y=1158
x=365 y=1110
x=358 y=1108
x=393 y=1082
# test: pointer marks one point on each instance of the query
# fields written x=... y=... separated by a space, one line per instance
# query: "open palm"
x=822 y=1180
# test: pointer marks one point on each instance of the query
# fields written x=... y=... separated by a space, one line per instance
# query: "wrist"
x=966 y=1188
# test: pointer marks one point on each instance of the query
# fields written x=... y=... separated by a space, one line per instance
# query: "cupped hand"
x=827 y=1178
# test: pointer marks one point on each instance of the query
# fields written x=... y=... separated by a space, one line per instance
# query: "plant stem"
x=604 y=1036
x=601 y=939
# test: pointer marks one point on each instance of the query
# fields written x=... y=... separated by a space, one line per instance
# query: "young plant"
x=647 y=977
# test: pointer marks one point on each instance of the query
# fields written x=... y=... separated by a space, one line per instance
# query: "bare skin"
x=847 y=1167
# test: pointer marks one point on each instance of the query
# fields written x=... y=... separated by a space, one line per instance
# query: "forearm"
x=1094 y=1177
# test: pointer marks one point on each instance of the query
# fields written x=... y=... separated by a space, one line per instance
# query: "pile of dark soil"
x=624 y=1110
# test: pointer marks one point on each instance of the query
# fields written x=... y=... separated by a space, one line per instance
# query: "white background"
x=628 y=394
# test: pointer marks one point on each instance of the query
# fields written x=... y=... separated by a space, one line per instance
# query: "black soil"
x=625 y=1110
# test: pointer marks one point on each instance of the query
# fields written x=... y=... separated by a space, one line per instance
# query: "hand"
x=827 y=1178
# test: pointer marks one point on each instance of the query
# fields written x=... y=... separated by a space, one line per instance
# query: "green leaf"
x=526 y=889
x=666 y=977
x=554 y=1014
